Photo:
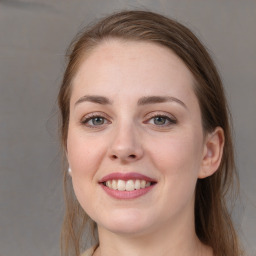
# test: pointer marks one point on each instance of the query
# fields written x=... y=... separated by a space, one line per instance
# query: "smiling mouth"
x=127 y=185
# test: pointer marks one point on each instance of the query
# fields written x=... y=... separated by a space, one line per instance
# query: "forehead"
x=115 y=66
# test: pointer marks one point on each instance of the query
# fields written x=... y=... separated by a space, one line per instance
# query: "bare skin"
x=133 y=110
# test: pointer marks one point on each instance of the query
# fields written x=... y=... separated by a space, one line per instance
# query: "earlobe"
x=69 y=169
x=212 y=154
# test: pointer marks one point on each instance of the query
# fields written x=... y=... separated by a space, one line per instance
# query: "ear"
x=212 y=153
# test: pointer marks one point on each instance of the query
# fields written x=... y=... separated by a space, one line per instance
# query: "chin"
x=127 y=230
x=128 y=223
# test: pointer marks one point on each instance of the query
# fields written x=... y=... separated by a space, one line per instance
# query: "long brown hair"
x=213 y=222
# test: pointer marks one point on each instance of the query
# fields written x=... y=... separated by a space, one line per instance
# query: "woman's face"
x=135 y=141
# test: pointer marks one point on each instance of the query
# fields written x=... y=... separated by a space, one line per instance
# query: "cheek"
x=178 y=160
x=84 y=154
x=177 y=155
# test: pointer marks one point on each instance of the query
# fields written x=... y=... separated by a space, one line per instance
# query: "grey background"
x=34 y=35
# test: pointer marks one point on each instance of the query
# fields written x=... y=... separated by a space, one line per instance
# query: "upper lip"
x=126 y=176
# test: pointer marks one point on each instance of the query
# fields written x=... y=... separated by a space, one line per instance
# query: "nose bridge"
x=125 y=143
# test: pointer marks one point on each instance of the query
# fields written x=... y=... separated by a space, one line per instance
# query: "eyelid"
x=92 y=115
x=169 y=123
x=162 y=114
x=86 y=118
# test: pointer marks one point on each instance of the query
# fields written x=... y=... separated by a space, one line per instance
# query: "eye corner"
x=95 y=120
x=161 y=119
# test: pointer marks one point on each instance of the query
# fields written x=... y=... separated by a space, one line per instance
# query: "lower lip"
x=126 y=194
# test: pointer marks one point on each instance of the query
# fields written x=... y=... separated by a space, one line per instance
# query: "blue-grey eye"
x=98 y=120
x=160 y=120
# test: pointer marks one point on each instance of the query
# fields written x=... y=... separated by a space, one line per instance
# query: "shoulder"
x=89 y=252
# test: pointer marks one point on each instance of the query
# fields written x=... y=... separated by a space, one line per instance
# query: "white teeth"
x=128 y=185
x=143 y=184
x=108 y=183
x=114 y=184
x=121 y=185
x=137 y=184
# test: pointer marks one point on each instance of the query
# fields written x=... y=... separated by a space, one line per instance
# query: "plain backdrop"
x=34 y=35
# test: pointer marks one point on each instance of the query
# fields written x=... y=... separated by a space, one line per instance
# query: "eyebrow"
x=94 y=99
x=142 y=101
x=159 y=99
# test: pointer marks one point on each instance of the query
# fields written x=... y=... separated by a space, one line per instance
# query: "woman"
x=145 y=129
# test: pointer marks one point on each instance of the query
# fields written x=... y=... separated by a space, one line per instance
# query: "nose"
x=125 y=145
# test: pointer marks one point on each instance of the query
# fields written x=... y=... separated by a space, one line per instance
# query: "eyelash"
x=85 y=121
x=167 y=118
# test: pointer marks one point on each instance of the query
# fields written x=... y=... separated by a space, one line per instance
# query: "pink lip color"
x=126 y=194
x=126 y=176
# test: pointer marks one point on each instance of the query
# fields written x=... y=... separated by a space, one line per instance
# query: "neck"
x=180 y=240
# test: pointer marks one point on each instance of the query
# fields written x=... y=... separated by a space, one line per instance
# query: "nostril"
x=123 y=157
